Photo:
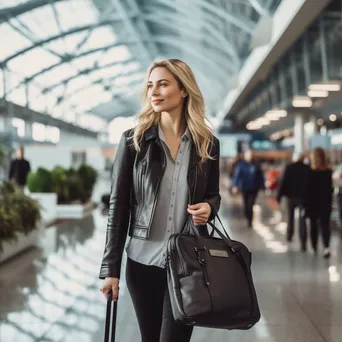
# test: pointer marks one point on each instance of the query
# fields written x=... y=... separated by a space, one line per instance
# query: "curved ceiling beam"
x=14 y=11
x=186 y=22
x=244 y=24
x=81 y=73
x=167 y=40
x=60 y=35
x=86 y=72
x=114 y=93
x=221 y=43
x=105 y=22
x=259 y=7
x=99 y=81
x=81 y=29
x=215 y=66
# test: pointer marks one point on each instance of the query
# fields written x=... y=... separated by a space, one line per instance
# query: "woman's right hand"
x=110 y=283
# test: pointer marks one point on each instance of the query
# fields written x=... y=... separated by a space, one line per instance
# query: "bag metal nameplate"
x=218 y=253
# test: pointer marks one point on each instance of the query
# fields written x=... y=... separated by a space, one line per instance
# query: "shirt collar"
x=185 y=136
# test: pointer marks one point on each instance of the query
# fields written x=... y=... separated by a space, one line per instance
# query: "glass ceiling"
x=84 y=61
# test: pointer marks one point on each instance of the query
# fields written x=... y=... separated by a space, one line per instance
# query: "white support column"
x=28 y=129
x=313 y=121
x=299 y=133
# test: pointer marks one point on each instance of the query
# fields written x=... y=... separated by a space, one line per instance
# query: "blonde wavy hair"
x=194 y=110
x=319 y=159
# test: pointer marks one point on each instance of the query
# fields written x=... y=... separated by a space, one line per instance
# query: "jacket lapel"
x=194 y=157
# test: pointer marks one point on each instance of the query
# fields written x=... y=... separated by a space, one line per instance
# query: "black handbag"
x=210 y=280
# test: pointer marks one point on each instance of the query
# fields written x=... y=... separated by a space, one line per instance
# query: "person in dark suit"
x=19 y=168
x=293 y=185
x=318 y=200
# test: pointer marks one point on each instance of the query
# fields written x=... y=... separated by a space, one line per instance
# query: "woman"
x=166 y=169
x=319 y=199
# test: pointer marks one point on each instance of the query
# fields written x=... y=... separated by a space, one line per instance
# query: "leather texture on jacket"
x=134 y=189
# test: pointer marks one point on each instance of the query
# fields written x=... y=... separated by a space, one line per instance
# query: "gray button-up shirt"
x=171 y=207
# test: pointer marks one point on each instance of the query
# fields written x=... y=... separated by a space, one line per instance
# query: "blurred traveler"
x=166 y=169
x=293 y=185
x=19 y=168
x=248 y=179
x=337 y=179
x=318 y=199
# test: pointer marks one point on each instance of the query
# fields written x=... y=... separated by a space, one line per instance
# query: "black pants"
x=151 y=301
x=339 y=201
x=292 y=204
x=322 y=220
x=249 y=198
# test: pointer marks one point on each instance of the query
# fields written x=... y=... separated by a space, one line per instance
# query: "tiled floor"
x=53 y=294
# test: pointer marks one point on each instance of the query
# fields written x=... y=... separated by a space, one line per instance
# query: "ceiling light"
x=263 y=121
x=253 y=125
x=318 y=93
x=302 y=102
x=326 y=86
x=320 y=122
x=332 y=117
x=276 y=113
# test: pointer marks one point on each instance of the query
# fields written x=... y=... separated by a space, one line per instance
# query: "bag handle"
x=218 y=217
x=215 y=215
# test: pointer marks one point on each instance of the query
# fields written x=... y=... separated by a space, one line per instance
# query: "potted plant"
x=40 y=185
x=74 y=189
x=88 y=176
x=19 y=217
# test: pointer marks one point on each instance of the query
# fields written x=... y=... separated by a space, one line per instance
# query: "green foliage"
x=60 y=184
x=88 y=176
x=2 y=155
x=76 y=191
x=19 y=213
x=40 y=181
x=73 y=185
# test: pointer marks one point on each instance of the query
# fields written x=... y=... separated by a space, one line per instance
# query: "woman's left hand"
x=200 y=212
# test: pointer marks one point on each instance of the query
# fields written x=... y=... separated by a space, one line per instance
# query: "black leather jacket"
x=135 y=183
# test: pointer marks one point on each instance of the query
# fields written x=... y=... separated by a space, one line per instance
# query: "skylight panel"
x=11 y=3
x=99 y=37
x=56 y=75
x=78 y=83
x=116 y=54
x=32 y=62
x=18 y=96
x=76 y=13
x=14 y=41
x=106 y=72
x=124 y=80
x=87 y=61
x=41 y=21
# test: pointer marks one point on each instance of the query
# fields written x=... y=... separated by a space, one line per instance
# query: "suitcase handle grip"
x=110 y=296
x=111 y=312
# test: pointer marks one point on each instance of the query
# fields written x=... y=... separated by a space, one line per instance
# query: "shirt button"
x=171 y=205
x=175 y=179
x=177 y=163
x=173 y=193
x=170 y=218
x=180 y=151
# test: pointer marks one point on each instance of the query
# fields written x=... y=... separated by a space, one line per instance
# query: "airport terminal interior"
x=71 y=77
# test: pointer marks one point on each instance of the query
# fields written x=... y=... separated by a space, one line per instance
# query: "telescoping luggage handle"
x=110 y=318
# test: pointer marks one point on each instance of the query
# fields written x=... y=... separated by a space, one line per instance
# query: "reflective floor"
x=53 y=294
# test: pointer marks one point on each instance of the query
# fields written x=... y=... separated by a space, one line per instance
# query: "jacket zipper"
x=155 y=197
x=141 y=186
